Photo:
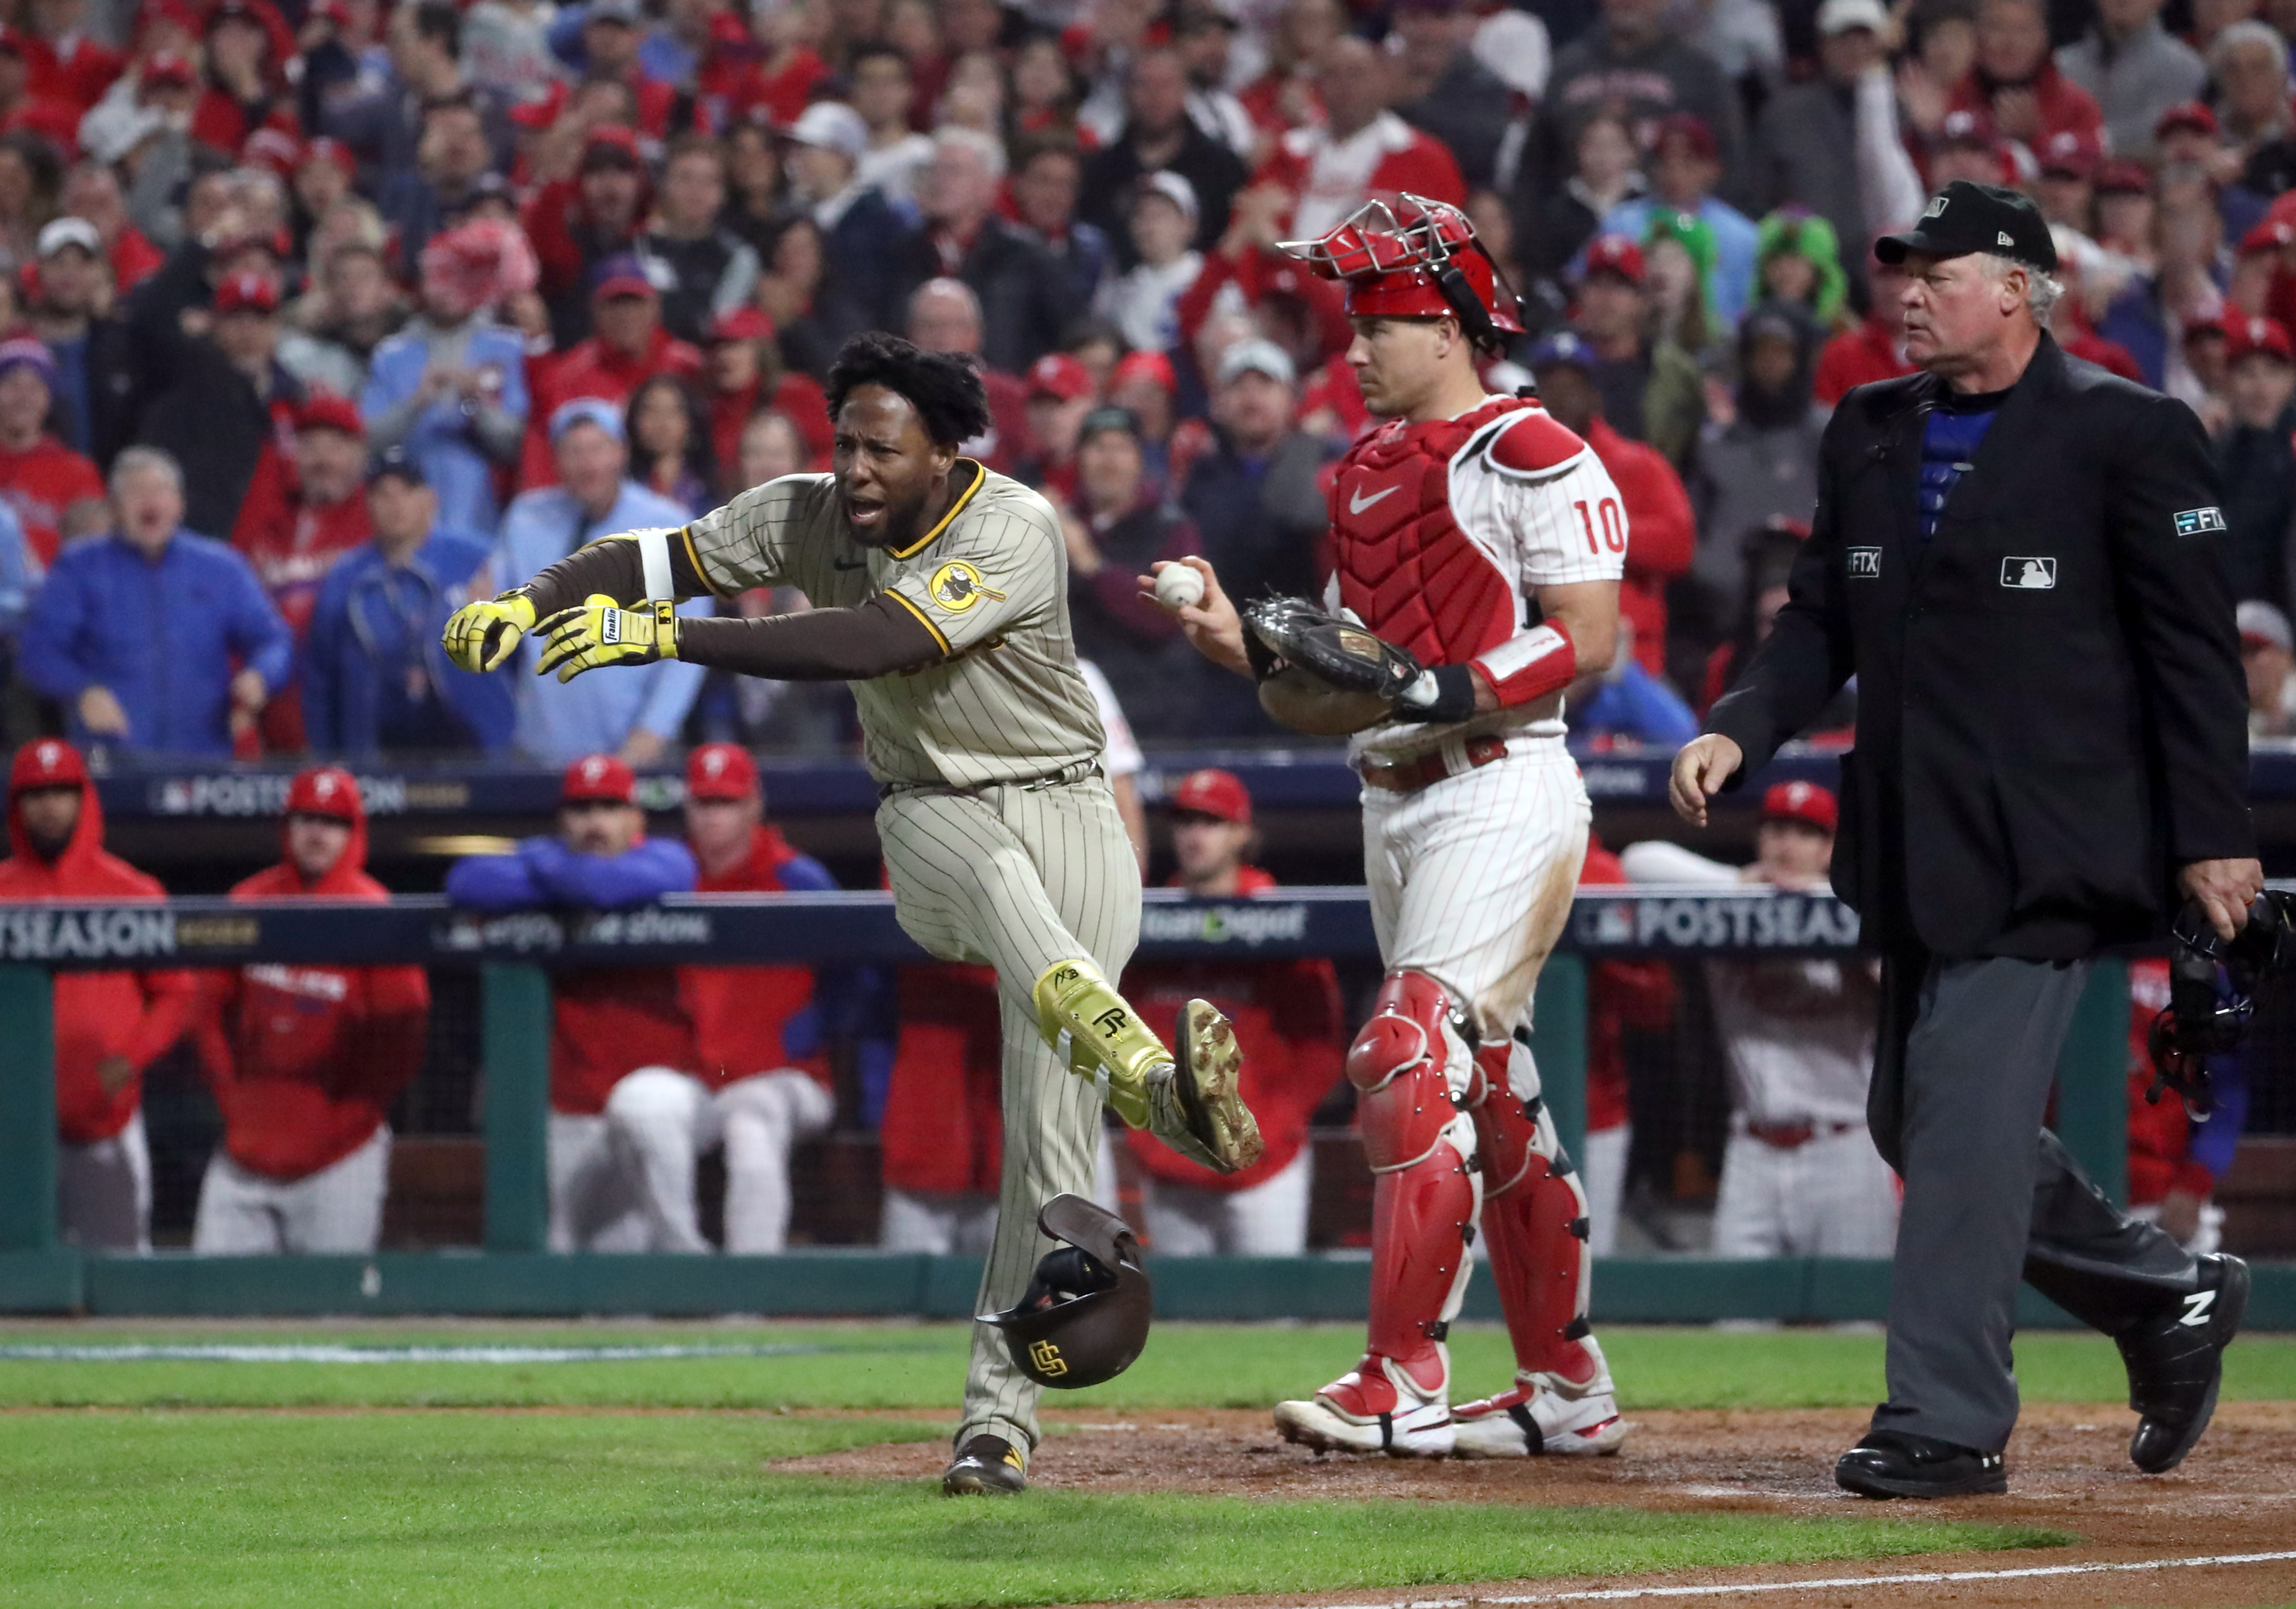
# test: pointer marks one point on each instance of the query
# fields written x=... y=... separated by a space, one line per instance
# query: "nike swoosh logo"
x=1358 y=502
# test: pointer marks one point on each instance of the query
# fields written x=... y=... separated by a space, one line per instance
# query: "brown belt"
x=1792 y=1135
x=1411 y=775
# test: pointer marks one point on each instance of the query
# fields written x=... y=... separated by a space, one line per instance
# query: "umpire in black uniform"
x=2017 y=555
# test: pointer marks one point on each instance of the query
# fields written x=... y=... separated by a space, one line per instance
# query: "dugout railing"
x=511 y=1273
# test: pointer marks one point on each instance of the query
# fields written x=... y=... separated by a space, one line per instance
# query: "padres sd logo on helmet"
x=1047 y=1359
x=1085 y=1315
x=956 y=587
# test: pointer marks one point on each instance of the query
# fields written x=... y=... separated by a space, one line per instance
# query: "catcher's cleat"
x=1197 y=1101
x=1375 y=1407
x=2176 y=1363
x=1534 y=1419
x=988 y=1466
x=1895 y=1464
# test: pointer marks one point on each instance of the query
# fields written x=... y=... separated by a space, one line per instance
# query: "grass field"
x=195 y=1498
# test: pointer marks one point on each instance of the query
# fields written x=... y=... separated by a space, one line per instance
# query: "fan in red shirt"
x=109 y=1026
x=620 y=1036
x=1875 y=350
x=943 y=1128
x=763 y=1083
x=1287 y=1018
x=1363 y=150
x=2014 y=81
x=41 y=479
x=305 y=1061
x=292 y=528
x=629 y=346
x=62 y=62
x=1665 y=533
x=247 y=47
x=745 y=374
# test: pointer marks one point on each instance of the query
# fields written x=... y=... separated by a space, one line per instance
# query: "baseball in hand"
x=1179 y=586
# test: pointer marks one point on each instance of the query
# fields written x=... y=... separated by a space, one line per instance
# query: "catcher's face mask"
x=1085 y=1316
x=2212 y=984
x=1417 y=259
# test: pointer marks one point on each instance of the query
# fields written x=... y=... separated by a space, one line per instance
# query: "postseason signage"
x=757 y=929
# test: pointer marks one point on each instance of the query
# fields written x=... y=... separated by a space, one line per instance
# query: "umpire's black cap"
x=1085 y=1316
x=1963 y=218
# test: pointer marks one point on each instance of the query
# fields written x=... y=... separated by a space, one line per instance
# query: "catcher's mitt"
x=1321 y=675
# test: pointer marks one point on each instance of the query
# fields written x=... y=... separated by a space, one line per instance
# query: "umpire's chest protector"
x=2011 y=791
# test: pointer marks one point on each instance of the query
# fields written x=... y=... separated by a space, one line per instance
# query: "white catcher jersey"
x=1445 y=531
x=989 y=581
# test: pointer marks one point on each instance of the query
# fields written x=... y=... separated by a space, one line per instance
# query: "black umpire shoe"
x=1894 y=1463
x=2177 y=1362
x=986 y=1466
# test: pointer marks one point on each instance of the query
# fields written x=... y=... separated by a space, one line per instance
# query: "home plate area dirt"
x=2068 y=1471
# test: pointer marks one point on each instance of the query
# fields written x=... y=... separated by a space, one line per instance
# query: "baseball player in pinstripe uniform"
x=1486 y=540
x=940 y=594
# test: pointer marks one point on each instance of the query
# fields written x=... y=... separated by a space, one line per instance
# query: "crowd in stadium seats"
x=319 y=316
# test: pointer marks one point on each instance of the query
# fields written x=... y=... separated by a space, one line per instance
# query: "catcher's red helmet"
x=1416 y=259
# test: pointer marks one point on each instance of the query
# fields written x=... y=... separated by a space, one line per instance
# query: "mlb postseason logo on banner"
x=1713 y=923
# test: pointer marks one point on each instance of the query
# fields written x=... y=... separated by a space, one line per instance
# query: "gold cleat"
x=1204 y=1087
x=1107 y=1043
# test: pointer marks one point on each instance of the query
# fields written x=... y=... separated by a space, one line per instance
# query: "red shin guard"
x=1534 y=1221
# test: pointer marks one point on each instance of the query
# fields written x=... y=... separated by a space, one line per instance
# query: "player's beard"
x=903 y=524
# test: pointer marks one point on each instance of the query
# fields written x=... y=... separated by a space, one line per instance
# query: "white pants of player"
x=963 y=1223
x=1831 y=1197
x=103 y=1192
x=1603 y=1173
x=623 y=1180
x=1269 y=1220
x=1470 y=876
x=336 y=1208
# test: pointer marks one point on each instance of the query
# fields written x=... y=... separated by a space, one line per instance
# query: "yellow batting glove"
x=480 y=636
x=601 y=632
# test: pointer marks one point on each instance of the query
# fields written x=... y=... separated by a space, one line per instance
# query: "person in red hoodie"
x=1876 y=349
x=305 y=1061
x=610 y=1026
x=109 y=1026
x=760 y=1083
x=746 y=375
x=1287 y=1018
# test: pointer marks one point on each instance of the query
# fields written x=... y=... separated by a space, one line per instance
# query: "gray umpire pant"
x=1963 y=1065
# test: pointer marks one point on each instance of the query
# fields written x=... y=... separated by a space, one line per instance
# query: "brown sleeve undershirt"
x=874 y=639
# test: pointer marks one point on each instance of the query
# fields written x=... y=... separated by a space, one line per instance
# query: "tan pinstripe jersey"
x=990 y=583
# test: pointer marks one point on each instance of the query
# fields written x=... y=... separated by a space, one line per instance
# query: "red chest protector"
x=1405 y=566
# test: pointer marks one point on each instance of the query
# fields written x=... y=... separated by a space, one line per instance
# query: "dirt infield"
x=2068 y=1472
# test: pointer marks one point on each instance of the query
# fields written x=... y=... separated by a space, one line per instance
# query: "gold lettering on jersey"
x=956 y=586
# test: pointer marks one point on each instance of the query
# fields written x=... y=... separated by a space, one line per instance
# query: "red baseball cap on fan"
x=2249 y=337
x=1614 y=254
x=1145 y=365
x=47 y=762
x=324 y=411
x=1058 y=374
x=598 y=777
x=720 y=771
x=247 y=292
x=323 y=790
x=1804 y=802
x=1215 y=793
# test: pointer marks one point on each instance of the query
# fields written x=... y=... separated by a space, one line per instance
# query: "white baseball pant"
x=103 y=1192
x=594 y=1201
x=1829 y=1196
x=338 y=1209
x=659 y=1121
x=1267 y=1220
x=1018 y=877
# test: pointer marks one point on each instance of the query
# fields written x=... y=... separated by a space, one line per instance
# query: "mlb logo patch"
x=1864 y=563
x=2028 y=575
x=2191 y=522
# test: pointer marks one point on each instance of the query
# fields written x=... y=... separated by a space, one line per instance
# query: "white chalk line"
x=1927 y=1577
x=229 y=1353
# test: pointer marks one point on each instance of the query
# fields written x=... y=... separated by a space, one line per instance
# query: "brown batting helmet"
x=1085 y=1316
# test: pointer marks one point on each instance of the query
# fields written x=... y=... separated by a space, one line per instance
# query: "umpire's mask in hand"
x=1085 y=1316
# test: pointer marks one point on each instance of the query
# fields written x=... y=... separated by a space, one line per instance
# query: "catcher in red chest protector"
x=1478 y=549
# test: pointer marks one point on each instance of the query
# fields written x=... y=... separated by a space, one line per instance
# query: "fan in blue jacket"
x=374 y=677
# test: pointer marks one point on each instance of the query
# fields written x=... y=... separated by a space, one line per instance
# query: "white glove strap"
x=1422 y=692
x=653 y=553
